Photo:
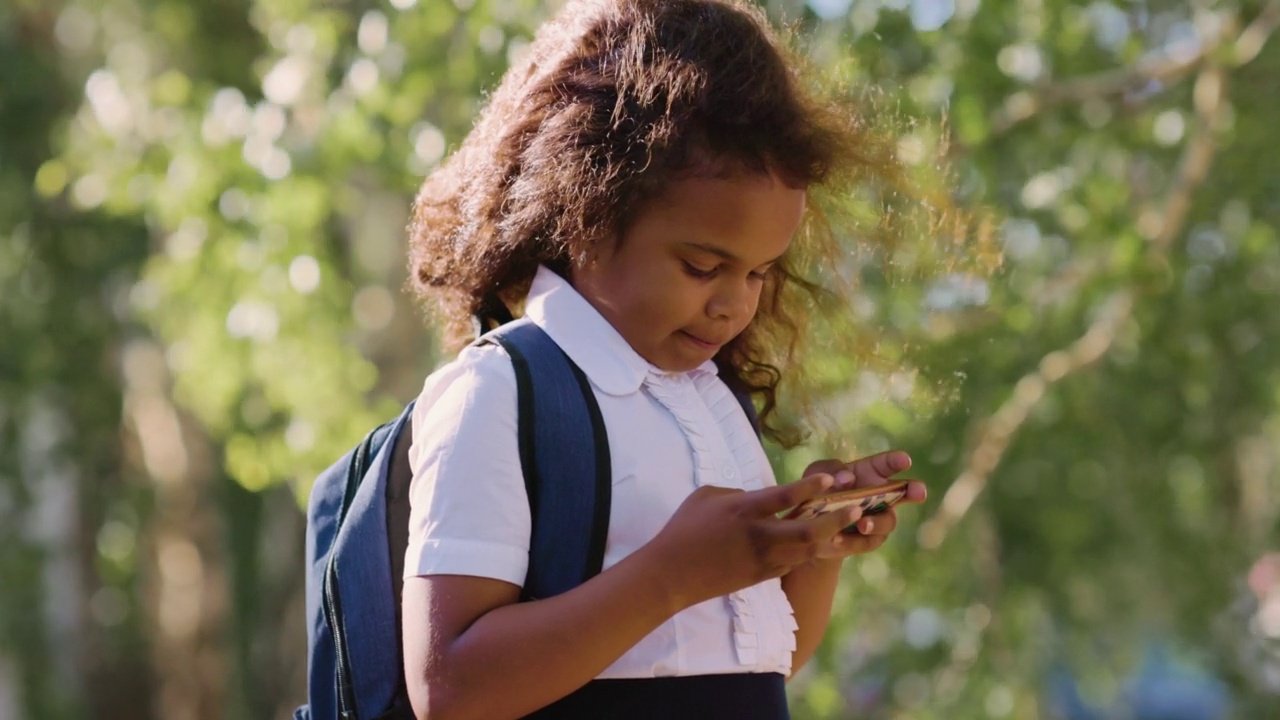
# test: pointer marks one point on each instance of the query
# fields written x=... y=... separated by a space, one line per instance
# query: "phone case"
x=873 y=500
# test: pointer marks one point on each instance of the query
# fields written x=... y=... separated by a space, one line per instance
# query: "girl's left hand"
x=870 y=471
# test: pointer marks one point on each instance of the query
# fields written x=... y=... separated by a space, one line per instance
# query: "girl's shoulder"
x=479 y=375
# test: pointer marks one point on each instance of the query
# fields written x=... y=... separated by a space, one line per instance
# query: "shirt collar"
x=589 y=340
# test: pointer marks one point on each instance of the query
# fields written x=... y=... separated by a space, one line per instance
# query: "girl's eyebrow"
x=721 y=252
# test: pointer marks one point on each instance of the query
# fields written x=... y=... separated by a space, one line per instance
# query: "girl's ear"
x=591 y=257
x=578 y=265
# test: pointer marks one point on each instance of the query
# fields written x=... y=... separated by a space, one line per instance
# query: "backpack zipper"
x=333 y=609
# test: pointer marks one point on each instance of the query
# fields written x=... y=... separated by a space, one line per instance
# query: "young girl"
x=634 y=185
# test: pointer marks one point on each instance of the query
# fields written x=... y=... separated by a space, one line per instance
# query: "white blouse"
x=669 y=433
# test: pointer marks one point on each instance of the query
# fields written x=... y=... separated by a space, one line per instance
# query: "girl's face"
x=686 y=276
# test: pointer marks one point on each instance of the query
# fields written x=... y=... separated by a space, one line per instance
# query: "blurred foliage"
x=201 y=253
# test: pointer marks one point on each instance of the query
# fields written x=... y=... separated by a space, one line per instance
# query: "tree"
x=201 y=249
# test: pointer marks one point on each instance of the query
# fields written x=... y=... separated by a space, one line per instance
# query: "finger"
x=845 y=480
x=836 y=548
x=846 y=545
x=716 y=490
x=880 y=524
x=877 y=469
x=814 y=531
x=771 y=501
x=829 y=466
x=916 y=492
x=859 y=544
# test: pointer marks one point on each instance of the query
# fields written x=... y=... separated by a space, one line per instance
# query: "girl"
x=634 y=185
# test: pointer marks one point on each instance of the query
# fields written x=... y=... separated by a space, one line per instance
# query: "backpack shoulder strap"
x=555 y=403
x=567 y=470
x=564 y=450
x=744 y=399
x=399 y=477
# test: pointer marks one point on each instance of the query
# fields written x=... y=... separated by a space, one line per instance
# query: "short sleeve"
x=469 y=512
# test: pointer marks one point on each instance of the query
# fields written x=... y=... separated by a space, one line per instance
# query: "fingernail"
x=844 y=477
x=868 y=526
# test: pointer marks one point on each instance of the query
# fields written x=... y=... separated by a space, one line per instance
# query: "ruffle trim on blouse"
x=746 y=628
x=746 y=637
x=743 y=444
x=788 y=615
x=668 y=391
x=746 y=453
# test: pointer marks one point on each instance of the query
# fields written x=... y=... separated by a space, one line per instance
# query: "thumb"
x=771 y=501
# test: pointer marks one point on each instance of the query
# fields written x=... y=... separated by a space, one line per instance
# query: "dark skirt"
x=741 y=696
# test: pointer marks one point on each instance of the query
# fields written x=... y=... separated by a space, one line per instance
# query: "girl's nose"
x=732 y=301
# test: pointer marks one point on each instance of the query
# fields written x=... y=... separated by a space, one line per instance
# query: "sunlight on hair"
x=551 y=171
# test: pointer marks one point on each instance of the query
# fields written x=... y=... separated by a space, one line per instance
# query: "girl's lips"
x=700 y=342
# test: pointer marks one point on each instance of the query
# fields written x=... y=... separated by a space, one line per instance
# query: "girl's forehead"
x=752 y=216
x=731 y=199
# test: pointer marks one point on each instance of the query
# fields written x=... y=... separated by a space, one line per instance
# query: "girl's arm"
x=811 y=587
x=472 y=651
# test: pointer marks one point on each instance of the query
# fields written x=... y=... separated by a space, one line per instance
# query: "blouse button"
x=727 y=472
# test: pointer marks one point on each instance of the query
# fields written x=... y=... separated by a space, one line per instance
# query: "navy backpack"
x=358 y=518
x=358 y=525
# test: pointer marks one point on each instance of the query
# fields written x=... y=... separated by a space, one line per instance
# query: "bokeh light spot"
x=304 y=274
x=373 y=307
x=1169 y=127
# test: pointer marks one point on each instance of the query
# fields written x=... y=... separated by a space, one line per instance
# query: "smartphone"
x=872 y=500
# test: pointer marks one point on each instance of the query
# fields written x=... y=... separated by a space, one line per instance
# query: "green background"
x=202 y=206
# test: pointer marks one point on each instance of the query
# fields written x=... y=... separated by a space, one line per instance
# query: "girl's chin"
x=687 y=354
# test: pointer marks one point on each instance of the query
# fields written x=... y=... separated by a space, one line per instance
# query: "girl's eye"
x=697 y=271
x=759 y=275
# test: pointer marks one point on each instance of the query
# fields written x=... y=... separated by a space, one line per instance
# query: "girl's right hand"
x=721 y=540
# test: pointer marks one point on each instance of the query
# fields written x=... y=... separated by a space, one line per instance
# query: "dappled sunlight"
x=1061 y=304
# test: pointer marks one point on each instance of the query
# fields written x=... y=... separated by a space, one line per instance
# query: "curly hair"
x=614 y=99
